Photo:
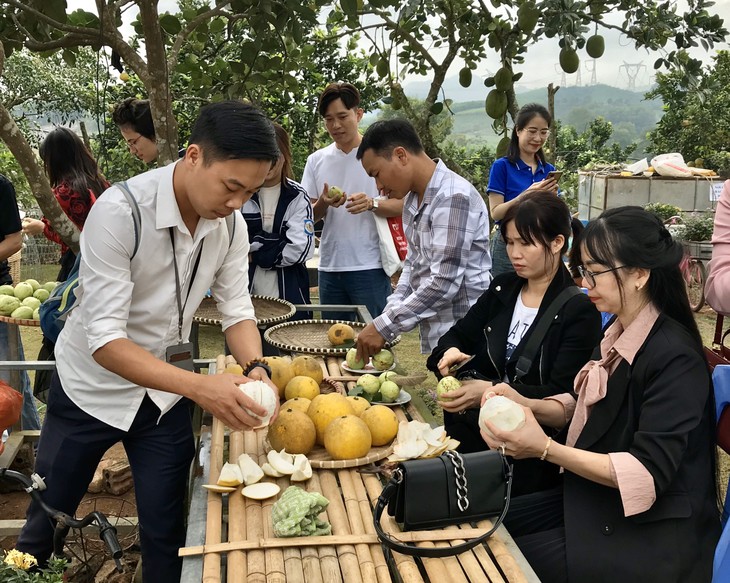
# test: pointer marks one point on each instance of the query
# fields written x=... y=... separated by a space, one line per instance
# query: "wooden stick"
x=474 y=569
x=348 y=558
x=364 y=556
x=506 y=561
x=485 y=560
x=327 y=566
x=212 y=562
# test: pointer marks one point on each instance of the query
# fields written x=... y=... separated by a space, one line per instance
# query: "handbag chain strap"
x=462 y=491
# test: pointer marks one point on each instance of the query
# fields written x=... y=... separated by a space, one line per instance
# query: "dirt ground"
x=13 y=505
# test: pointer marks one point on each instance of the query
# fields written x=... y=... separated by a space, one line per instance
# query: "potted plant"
x=15 y=567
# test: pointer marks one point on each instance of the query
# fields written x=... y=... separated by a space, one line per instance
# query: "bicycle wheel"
x=695 y=282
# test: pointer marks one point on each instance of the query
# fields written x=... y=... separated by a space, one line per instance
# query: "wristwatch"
x=257 y=363
x=375 y=204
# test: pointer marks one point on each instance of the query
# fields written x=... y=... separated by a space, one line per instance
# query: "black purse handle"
x=524 y=362
x=435 y=552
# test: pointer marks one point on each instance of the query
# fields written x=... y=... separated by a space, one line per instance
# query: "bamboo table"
x=230 y=538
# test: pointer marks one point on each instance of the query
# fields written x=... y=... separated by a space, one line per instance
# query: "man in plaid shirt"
x=447 y=227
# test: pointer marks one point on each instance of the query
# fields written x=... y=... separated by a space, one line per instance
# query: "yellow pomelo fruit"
x=324 y=409
x=347 y=437
x=382 y=423
x=307 y=366
x=234 y=369
x=358 y=404
x=298 y=403
x=339 y=333
x=292 y=431
x=301 y=386
x=281 y=371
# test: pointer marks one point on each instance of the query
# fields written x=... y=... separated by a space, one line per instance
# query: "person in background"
x=76 y=182
x=447 y=266
x=11 y=241
x=717 y=288
x=497 y=328
x=280 y=225
x=523 y=169
x=124 y=369
x=638 y=501
x=133 y=117
x=350 y=266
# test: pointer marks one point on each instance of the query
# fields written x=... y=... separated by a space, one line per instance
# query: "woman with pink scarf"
x=636 y=441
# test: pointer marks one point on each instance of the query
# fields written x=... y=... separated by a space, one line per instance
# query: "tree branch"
x=183 y=35
x=81 y=30
x=407 y=37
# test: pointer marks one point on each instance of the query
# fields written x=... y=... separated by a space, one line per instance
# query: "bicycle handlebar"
x=108 y=533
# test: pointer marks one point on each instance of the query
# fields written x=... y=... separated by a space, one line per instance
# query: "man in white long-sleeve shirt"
x=122 y=367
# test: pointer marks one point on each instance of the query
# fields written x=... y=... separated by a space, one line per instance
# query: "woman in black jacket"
x=498 y=327
x=638 y=501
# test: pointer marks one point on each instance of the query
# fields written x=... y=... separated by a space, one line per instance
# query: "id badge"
x=181 y=356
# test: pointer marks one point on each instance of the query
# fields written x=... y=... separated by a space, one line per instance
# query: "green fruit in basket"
x=31 y=302
x=383 y=360
x=37 y=314
x=369 y=383
x=33 y=283
x=7 y=290
x=22 y=313
x=41 y=294
x=352 y=360
x=23 y=290
x=390 y=391
x=8 y=304
x=49 y=286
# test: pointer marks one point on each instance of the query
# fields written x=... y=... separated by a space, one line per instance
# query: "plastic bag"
x=671 y=165
x=11 y=402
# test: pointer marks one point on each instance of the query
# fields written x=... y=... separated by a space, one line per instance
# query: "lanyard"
x=180 y=305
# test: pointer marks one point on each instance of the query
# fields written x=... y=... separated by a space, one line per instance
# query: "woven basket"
x=14 y=265
x=310 y=337
x=268 y=310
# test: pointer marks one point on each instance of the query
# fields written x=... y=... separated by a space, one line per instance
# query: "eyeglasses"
x=133 y=143
x=534 y=132
x=590 y=276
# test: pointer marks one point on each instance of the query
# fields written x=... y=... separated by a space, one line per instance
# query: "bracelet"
x=547 y=448
x=256 y=364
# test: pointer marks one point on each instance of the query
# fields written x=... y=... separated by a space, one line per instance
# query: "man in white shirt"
x=121 y=354
x=350 y=268
x=446 y=224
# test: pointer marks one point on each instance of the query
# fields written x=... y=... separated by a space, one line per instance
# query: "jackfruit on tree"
x=595 y=46
x=569 y=61
x=496 y=104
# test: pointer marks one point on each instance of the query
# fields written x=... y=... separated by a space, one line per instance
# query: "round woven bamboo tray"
x=310 y=336
x=19 y=321
x=268 y=310
x=320 y=459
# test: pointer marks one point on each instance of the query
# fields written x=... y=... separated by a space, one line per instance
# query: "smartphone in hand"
x=555 y=174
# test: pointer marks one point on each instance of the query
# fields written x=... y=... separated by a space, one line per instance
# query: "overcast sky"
x=541 y=63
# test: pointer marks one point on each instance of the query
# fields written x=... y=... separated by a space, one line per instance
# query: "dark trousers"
x=536 y=523
x=70 y=448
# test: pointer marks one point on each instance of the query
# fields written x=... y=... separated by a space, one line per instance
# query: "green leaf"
x=437 y=108
x=217 y=25
x=170 y=24
x=349 y=7
x=69 y=57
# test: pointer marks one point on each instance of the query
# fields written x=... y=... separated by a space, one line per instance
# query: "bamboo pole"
x=506 y=561
x=366 y=514
x=405 y=564
x=337 y=513
x=328 y=564
x=255 y=559
x=274 y=558
x=476 y=572
x=236 y=560
x=212 y=562
x=352 y=505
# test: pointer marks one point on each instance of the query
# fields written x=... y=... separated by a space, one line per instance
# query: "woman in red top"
x=76 y=182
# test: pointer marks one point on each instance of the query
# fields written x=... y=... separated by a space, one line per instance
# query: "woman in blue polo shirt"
x=523 y=168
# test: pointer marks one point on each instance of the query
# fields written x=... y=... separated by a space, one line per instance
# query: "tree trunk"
x=553 y=140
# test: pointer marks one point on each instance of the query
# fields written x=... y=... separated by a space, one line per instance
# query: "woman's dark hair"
x=282 y=141
x=632 y=237
x=348 y=93
x=136 y=114
x=233 y=130
x=539 y=217
x=66 y=159
x=574 y=258
x=524 y=116
x=384 y=136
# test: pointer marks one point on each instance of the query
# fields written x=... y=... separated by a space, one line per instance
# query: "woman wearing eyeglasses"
x=501 y=324
x=523 y=169
x=133 y=117
x=638 y=501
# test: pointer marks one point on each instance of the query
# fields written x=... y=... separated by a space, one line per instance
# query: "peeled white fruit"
x=280 y=461
x=302 y=468
x=250 y=470
x=270 y=471
x=262 y=394
x=502 y=412
x=260 y=491
x=230 y=475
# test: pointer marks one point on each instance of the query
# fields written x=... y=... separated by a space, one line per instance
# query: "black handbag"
x=450 y=489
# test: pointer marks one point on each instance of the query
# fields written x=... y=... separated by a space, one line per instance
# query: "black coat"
x=567 y=346
x=660 y=410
